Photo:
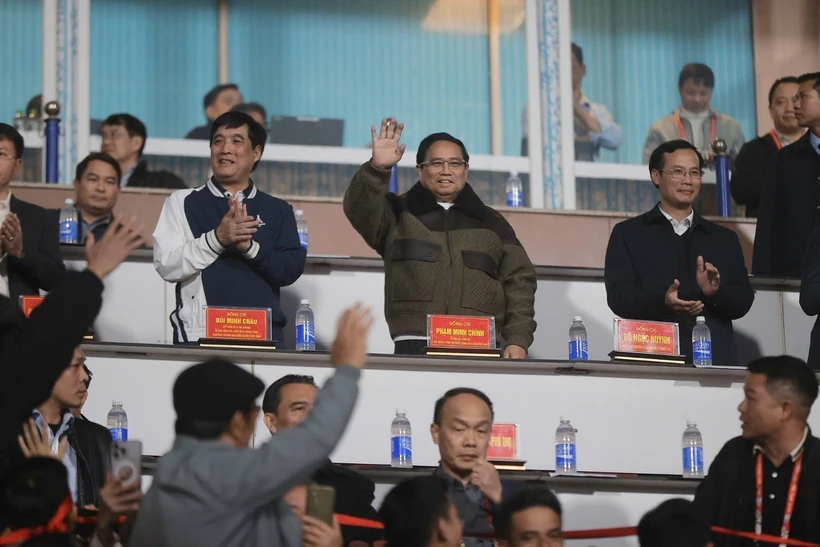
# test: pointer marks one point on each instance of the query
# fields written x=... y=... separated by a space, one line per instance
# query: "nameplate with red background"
x=503 y=442
x=455 y=331
x=651 y=337
x=238 y=323
x=29 y=303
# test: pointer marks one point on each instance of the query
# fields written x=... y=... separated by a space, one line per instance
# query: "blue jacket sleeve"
x=284 y=263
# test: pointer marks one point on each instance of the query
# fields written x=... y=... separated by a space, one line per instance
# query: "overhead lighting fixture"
x=471 y=16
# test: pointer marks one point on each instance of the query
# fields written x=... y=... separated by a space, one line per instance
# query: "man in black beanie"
x=211 y=490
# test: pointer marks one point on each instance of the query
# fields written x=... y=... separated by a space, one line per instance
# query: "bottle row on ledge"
x=566 y=456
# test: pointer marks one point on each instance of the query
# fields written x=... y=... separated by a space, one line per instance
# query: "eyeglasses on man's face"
x=679 y=173
x=438 y=165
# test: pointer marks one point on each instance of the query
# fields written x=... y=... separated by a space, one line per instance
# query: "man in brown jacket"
x=444 y=251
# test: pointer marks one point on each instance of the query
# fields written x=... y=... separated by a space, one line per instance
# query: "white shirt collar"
x=687 y=222
x=7 y=202
x=797 y=449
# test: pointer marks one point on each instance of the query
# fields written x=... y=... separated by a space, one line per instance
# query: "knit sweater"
x=462 y=261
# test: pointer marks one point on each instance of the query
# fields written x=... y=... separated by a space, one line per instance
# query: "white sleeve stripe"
x=253 y=251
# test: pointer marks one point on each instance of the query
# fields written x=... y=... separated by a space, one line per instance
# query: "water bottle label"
x=578 y=350
x=515 y=198
x=702 y=349
x=305 y=335
x=401 y=448
x=68 y=232
x=564 y=456
x=693 y=459
x=303 y=239
x=119 y=433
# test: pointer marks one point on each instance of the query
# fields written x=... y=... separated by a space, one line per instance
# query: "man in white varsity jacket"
x=227 y=243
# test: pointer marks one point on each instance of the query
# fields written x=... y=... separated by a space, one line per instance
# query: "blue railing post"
x=722 y=175
x=52 y=109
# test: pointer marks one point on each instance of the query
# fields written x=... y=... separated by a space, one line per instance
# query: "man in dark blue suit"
x=462 y=428
x=29 y=238
x=671 y=264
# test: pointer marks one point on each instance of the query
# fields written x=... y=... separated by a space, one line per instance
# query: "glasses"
x=6 y=156
x=438 y=165
x=680 y=174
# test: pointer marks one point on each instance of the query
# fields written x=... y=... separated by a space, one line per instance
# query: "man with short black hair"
x=756 y=156
x=255 y=111
x=530 y=516
x=227 y=243
x=286 y=404
x=674 y=523
x=123 y=138
x=671 y=264
x=788 y=207
x=695 y=120
x=96 y=187
x=444 y=251
x=462 y=428
x=217 y=101
x=418 y=512
x=775 y=459
x=210 y=489
x=87 y=457
x=29 y=235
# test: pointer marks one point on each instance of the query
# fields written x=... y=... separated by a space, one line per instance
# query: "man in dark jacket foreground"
x=775 y=458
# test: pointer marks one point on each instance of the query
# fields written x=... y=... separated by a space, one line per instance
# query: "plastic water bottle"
x=515 y=191
x=19 y=121
x=578 y=340
x=401 y=441
x=305 y=327
x=118 y=422
x=692 y=452
x=565 y=455
x=301 y=227
x=68 y=222
x=701 y=343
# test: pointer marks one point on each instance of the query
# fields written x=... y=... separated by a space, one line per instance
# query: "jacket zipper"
x=450 y=254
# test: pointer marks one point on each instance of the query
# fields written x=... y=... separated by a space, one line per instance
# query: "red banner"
x=237 y=323
x=646 y=337
x=453 y=331
x=29 y=303
x=503 y=442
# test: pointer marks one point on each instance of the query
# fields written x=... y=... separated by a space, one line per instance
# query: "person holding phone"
x=210 y=489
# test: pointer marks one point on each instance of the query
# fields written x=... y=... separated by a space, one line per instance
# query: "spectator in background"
x=255 y=111
x=594 y=126
x=29 y=235
x=530 y=517
x=775 y=455
x=440 y=229
x=418 y=512
x=123 y=138
x=217 y=101
x=674 y=523
x=85 y=378
x=35 y=351
x=695 y=120
x=462 y=428
x=227 y=242
x=210 y=489
x=671 y=264
x=810 y=293
x=87 y=456
x=96 y=187
x=754 y=159
x=286 y=404
x=790 y=197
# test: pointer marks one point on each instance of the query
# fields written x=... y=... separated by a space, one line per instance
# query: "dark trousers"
x=410 y=347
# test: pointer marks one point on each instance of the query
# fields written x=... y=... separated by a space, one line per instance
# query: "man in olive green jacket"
x=444 y=251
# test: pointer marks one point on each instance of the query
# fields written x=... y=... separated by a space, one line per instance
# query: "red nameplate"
x=454 y=331
x=504 y=442
x=29 y=303
x=237 y=323
x=655 y=337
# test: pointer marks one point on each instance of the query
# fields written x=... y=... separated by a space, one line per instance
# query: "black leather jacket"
x=92 y=444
